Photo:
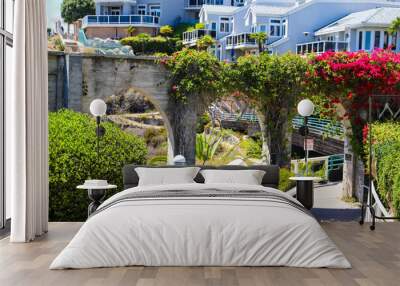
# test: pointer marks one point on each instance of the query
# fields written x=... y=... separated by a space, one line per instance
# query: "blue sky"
x=53 y=12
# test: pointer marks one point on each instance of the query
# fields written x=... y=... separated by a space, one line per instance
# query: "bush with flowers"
x=347 y=79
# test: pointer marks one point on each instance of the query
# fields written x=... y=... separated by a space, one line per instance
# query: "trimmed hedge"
x=386 y=154
x=73 y=159
x=144 y=44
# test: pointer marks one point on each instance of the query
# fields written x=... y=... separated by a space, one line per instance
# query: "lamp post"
x=98 y=108
x=305 y=108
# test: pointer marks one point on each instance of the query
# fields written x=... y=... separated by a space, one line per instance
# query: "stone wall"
x=77 y=79
x=116 y=32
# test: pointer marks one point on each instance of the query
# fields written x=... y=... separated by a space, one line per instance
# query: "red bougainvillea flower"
x=350 y=78
x=365 y=133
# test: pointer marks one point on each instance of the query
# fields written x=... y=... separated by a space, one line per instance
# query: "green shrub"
x=284 y=183
x=166 y=31
x=200 y=26
x=180 y=28
x=144 y=44
x=155 y=137
x=252 y=148
x=202 y=122
x=73 y=159
x=386 y=154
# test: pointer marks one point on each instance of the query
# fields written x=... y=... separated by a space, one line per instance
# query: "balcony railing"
x=196 y=4
x=319 y=47
x=122 y=20
x=190 y=38
x=240 y=41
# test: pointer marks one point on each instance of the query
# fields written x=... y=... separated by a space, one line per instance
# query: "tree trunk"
x=184 y=123
x=276 y=138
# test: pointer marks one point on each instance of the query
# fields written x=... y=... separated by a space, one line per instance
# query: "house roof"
x=267 y=10
x=219 y=9
x=381 y=17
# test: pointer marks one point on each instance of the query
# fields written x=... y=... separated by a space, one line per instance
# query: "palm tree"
x=394 y=26
x=260 y=38
x=393 y=29
x=131 y=30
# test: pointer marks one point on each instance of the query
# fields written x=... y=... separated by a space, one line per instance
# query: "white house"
x=296 y=26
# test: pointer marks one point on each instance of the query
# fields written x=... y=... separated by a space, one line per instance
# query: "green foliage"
x=157 y=160
x=195 y=73
x=145 y=44
x=155 y=137
x=73 y=159
x=200 y=26
x=273 y=84
x=205 y=42
x=202 y=122
x=166 y=31
x=131 y=30
x=394 y=26
x=284 y=183
x=180 y=28
x=207 y=146
x=72 y=10
x=386 y=169
x=252 y=148
x=260 y=38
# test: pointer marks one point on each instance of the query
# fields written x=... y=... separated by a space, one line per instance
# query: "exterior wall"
x=116 y=33
x=87 y=77
x=172 y=11
x=318 y=15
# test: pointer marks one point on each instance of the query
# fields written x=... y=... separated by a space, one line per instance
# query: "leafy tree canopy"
x=72 y=10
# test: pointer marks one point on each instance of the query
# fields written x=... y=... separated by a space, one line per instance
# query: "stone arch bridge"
x=76 y=79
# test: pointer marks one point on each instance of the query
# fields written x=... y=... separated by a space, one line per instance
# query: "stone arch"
x=89 y=76
x=165 y=117
x=107 y=76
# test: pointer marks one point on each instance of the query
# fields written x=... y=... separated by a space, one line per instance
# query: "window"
x=155 y=10
x=141 y=9
x=263 y=28
x=6 y=44
x=367 y=40
x=284 y=27
x=377 y=39
x=275 y=28
x=213 y=26
x=115 y=11
x=224 y=25
x=385 y=40
x=239 y=3
x=360 y=40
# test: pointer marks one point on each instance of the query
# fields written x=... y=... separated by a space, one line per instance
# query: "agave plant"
x=206 y=146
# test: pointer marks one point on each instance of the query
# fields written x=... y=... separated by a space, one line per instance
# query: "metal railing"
x=330 y=163
x=319 y=126
x=240 y=40
x=95 y=20
x=319 y=47
x=196 y=4
x=191 y=37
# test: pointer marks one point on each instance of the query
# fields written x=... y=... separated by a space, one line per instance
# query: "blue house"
x=113 y=17
x=297 y=26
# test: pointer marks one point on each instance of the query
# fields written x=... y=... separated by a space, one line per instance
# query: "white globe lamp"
x=305 y=108
x=98 y=107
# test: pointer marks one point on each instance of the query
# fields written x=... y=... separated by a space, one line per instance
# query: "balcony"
x=120 y=21
x=190 y=38
x=319 y=47
x=240 y=41
x=196 y=4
